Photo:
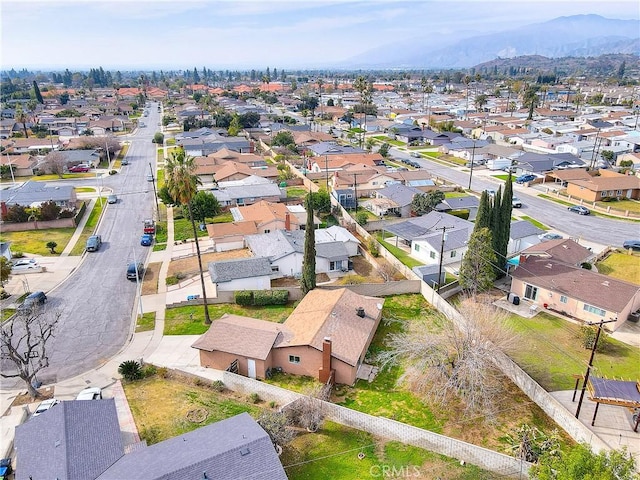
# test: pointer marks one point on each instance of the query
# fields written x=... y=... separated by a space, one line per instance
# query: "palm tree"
x=182 y=183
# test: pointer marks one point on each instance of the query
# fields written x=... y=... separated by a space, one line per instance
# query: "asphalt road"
x=97 y=302
x=592 y=228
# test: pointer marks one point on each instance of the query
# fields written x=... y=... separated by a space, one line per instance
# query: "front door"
x=251 y=368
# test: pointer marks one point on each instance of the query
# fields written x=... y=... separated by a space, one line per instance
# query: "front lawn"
x=625 y=204
x=535 y=222
x=294 y=192
x=550 y=351
x=623 y=266
x=189 y=320
x=35 y=242
x=400 y=254
x=146 y=323
x=183 y=230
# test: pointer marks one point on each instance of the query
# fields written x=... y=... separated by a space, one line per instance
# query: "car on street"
x=93 y=243
x=516 y=202
x=112 y=199
x=135 y=271
x=124 y=162
x=35 y=299
x=24 y=264
x=631 y=244
x=579 y=209
x=549 y=236
x=91 y=393
x=149 y=177
x=146 y=239
x=415 y=154
x=82 y=168
x=525 y=178
x=45 y=405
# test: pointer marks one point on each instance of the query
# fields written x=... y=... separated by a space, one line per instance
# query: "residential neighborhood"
x=293 y=266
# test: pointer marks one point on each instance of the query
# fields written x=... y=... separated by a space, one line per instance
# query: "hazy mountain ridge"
x=579 y=35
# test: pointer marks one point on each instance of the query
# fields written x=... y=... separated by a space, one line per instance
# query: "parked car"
x=526 y=178
x=112 y=198
x=579 y=209
x=24 y=264
x=45 y=405
x=135 y=271
x=81 y=168
x=549 y=236
x=5 y=468
x=124 y=162
x=516 y=203
x=149 y=226
x=35 y=299
x=146 y=239
x=149 y=177
x=415 y=155
x=631 y=244
x=93 y=243
x=91 y=393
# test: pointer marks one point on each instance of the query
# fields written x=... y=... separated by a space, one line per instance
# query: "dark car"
x=135 y=271
x=80 y=168
x=525 y=178
x=631 y=244
x=579 y=209
x=93 y=243
x=146 y=240
x=35 y=299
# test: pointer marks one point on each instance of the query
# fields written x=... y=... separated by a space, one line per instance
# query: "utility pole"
x=326 y=170
x=593 y=352
x=444 y=238
x=473 y=156
x=155 y=193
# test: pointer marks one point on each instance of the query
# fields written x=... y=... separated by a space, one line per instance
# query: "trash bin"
x=516 y=300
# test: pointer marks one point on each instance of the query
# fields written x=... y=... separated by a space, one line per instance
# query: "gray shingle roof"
x=233 y=449
x=400 y=194
x=76 y=439
x=227 y=270
x=278 y=244
x=431 y=222
x=36 y=192
x=523 y=228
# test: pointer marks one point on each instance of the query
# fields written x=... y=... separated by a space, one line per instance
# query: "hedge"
x=261 y=297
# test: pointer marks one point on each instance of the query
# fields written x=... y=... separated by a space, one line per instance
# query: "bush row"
x=261 y=297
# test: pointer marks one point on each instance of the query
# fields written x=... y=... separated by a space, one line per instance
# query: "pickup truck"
x=149 y=227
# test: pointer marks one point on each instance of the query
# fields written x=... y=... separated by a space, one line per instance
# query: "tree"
x=608 y=156
x=504 y=227
x=321 y=201
x=24 y=342
x=36 y=90
x=308 y=280
x=158 y=138
x=49 y=210
x=580 y=462
x=21 y=117
x=165 y=196
x=235 y=126
x=384 y=149
x=55 y=162
x=455 y=362
x=425 y=202
x=5 y=269
x=529 y=443
x=362 y=218
x=64 y=98
x=277 y=426
x=204 y=205
x=182 y=183
x=52 y=246
x=6 y=171
x=476 y=271
x=530 y=99
x=283 y=138
x=17 y=214
x=481 y=101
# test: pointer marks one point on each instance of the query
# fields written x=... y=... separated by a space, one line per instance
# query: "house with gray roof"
x=285 y=251
x=234 y=449
x=333 y=148
x=522 y=235
x=75 y=157
x=75 y=439
x=400 y=198
x=545 y=162
x=241 y=274
x=203 y=146
x=469 y=203
x=34 y=194
x=240 y=195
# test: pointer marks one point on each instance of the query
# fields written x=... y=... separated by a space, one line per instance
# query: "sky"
x=238 y=34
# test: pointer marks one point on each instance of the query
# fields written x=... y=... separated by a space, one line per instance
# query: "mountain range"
x=578 y=35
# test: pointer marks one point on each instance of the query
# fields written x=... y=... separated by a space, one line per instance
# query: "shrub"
x=218 y=386
x=172 y=280
x=351 y=279
x=588 y=337
x=374 y=248
x=254 y=398
x=261 y=297
x=112 y=172
x=150 y=434
x=163 y=372
x=362 y=218
x=586 y=265
x=273 y=404
x=244 y=297
x=148 y=371
x=130 y=370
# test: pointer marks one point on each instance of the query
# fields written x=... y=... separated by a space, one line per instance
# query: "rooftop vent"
x=548 y=265
x=244 y=452
x=605 y=283
x=360 y=312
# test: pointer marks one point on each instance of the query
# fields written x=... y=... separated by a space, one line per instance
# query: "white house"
x=523 y=234
x=243 y=274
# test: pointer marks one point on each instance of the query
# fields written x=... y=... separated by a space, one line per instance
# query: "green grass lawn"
x=550 y=351
x=623 y=205
x=35 y=242
x=400 y=254
x=296 y=192
x=455 y=194
x=146 y=323
x=90 y=227
x=541 y=226
x=621 y=265
x=65 y=176
x=189 y=320
x=183 y=230
x=6 y=313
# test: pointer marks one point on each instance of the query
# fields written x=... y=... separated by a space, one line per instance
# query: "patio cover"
x=614 y=392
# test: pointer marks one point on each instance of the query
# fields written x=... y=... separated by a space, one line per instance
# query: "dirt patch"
x=294 y=282
x=24 y=399
x=150 y=279
x=188 y=266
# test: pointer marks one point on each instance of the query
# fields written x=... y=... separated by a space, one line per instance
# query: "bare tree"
x=24 y=340
x=54 y=162
x=455 y=363
x=307 y=411
x=277 y=425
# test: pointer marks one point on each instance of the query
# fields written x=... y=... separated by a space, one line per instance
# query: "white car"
x=46 y=405
x=91 y=393
x=25 y=264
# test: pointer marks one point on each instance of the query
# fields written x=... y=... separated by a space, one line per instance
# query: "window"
x=594 y=310
x=335 y=265
x=416 y=247
x=563 y=299
x=294 y=359
x=267 y=231
x=432 y=254
x=453 y=253
x=275 y=268
x=531 y=292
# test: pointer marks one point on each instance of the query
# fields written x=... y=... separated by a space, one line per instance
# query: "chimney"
x=360 y=312
x=325 y=371
x=287 y=221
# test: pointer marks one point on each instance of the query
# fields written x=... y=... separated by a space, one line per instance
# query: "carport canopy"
x=615 y=392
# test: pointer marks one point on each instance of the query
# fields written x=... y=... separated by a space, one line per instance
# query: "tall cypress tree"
x=36 y=89
x=505 y=208
x=483 y=217
x=308 y=280
x=497 y=231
